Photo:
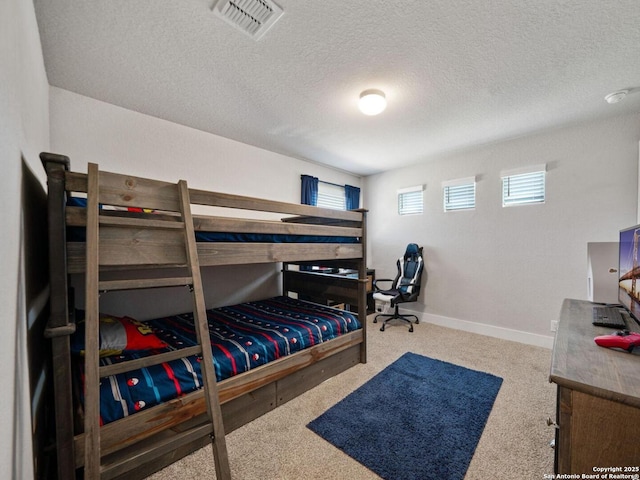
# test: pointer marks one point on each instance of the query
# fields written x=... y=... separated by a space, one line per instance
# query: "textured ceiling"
x=457 y=73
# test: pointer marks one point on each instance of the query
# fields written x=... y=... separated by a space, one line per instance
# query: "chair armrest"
x=375 y=283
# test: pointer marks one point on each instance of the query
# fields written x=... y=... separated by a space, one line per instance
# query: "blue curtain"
x=309 y=190
x=352 y=197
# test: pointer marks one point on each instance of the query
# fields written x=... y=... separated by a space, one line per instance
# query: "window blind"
x=331 y=196
x=459 y=194
x=522 y=188
x=410 y=200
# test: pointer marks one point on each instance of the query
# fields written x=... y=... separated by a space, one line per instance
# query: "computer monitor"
x=629 y=271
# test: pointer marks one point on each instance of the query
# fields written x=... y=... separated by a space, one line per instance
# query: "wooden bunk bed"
x=140 y=444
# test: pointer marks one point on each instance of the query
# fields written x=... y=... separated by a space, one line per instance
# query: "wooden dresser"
x=598 y=406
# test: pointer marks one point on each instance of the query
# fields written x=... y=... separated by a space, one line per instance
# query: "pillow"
x=117 y=335
x=82 y=202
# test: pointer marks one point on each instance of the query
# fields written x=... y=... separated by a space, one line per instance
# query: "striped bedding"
x=243 y=337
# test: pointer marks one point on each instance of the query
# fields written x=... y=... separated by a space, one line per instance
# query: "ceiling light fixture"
x=615 y=97
x=372 y=102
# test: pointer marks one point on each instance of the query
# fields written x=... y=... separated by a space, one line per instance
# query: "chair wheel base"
x=385 y=318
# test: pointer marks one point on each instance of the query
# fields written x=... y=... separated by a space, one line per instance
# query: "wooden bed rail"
x=344 y=227
x=77 y=182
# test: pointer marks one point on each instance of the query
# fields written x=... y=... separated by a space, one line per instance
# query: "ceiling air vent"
x=253 y=17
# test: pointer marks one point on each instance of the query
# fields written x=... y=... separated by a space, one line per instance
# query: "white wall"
x=121 y=140
x=24 y=132
x=503 y=271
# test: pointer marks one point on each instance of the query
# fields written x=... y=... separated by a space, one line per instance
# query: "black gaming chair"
x=404 y=288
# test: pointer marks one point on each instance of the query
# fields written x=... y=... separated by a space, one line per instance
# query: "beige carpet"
x=514 y=445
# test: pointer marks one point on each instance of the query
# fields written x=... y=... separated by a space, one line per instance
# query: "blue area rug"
x=419 y=419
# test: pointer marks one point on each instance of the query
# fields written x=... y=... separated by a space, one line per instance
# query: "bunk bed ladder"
x=93 y=372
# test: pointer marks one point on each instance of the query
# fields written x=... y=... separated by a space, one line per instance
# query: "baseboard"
x=484 y=329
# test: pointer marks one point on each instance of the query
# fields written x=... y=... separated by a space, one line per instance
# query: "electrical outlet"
x=554 y=325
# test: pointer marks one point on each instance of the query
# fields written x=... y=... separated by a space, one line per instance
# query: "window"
x=410 y=200
x=459 y=194
x=331 y=196
x=523 y=186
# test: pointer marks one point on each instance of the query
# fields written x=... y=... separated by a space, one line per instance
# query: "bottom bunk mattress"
x=243 y=337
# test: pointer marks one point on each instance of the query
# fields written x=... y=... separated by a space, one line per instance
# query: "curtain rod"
x=329 y=183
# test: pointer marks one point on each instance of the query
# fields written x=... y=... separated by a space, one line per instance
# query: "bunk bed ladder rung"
x=144 y=362
x=112 y=221
x=93 y=467
x=132 y=284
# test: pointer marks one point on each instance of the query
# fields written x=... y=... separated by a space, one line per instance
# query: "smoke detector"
x=616 y=97
x=253 y=17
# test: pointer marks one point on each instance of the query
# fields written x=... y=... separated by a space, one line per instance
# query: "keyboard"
x=611 y=317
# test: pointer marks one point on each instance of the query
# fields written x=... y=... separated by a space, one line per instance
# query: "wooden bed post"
x=362 y=286
x=92 y=318
x=59 y=327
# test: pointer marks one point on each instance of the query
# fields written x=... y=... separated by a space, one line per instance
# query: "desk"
x=598 y=406
x=371 y=276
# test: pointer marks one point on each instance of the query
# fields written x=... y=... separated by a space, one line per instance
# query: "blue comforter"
x=243 y=337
